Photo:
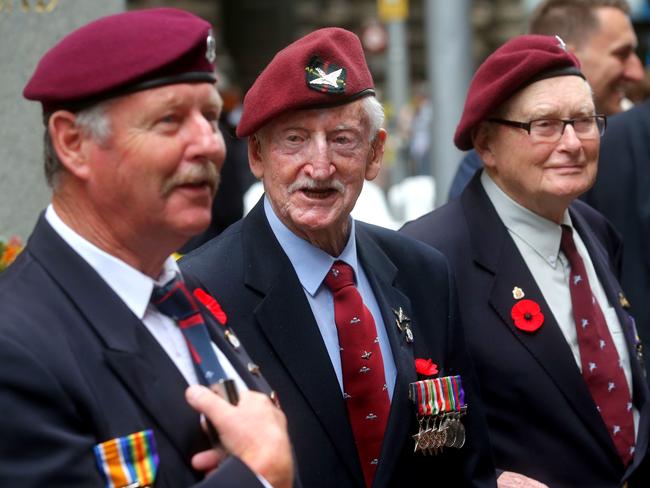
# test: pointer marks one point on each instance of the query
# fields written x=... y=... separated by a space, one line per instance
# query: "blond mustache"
x=309 y=184
x=194 y=174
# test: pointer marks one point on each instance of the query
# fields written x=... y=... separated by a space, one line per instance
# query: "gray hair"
x=375 y=112
x=92 y=121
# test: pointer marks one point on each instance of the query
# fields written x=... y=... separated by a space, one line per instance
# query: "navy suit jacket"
x=542 y=420
x=253 y=279
x=622 y=194
x=78 y=368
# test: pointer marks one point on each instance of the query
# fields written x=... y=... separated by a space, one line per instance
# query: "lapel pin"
x=622 y=300
x=518 y=293
x=232 y=338
x=254 y=369
x=403 y=324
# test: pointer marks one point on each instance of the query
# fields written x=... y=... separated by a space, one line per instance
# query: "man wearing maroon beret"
x=332 y=309
x=556 y=352
x=100 y=334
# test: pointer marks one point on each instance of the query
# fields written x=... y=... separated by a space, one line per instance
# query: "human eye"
x=168 y=121
x=584 y=125
x=545 y=127
x=212 y=116
x=345 y=139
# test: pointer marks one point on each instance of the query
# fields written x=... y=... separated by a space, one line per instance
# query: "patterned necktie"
x=175 y=300
x=364 y=383
x=601 y=366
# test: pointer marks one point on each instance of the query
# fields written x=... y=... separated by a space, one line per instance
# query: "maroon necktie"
x=364 y=382
x=601 y=367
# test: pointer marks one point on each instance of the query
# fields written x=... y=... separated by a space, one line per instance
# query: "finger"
x=205 y=401
x=208 y=460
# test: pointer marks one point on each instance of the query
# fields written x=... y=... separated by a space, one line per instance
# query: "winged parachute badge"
x=324 y=76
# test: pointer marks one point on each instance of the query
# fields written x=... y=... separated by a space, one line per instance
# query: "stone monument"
x=27 y=29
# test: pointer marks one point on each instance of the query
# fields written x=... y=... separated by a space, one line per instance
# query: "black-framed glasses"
x=551 y=130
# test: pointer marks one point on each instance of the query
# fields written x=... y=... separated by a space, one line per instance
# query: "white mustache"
x=305 y=183
x=193 y=174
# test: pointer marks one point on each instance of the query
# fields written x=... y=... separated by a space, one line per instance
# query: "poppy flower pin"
x=211 y=304
x=527 y=315
x=426 y=367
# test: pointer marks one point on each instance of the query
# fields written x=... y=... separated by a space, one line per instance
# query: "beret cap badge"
x=211 y=48
x=324 y=76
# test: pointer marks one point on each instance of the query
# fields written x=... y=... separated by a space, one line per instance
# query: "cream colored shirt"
x=538 y=241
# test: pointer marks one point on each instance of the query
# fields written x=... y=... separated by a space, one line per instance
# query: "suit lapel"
x=381 y=273
x=130 y=350
x=287 y=322
x=495 y=251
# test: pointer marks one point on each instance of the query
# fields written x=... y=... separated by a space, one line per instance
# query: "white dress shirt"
x=134 y=289
x=538 y=241
x=311 y=265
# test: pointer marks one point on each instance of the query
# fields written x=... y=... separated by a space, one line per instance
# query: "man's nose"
x=569 y=138
x=207 y=141
x=633 y=68
x=319 y=166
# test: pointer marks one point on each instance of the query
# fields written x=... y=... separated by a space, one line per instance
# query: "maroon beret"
x=123 y=53
x=518 y=63
x=324 y=68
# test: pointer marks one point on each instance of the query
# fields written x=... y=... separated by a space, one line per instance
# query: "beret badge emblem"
x=324 y=76
x=211 y=47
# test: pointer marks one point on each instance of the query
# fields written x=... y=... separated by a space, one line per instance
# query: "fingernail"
x=194 y=392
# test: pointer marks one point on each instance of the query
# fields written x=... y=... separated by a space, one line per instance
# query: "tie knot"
x=174 y=299
x=339 y=276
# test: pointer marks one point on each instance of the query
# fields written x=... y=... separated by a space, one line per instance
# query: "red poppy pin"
x=211 y=304
x=426 y=367
x=527 y=315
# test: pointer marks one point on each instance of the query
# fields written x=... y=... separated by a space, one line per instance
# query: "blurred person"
x=546 y=321
x=101 y=335
x=331 y=308
x=600 y=34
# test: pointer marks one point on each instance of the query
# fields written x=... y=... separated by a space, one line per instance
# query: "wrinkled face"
x=543 y=177
x=608 y=59
x=159 y=169
x=313 y=164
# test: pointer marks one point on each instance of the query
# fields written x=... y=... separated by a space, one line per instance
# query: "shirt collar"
x=541 y=234
x=132 y=286
x=310 y=263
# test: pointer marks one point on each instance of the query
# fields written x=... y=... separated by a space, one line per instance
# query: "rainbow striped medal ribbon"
x=440 y=404
x=130 y=461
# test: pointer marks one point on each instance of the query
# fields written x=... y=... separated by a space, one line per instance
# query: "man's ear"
x=255 y=156
x=69 y=142
x=376 y=154
x=483 y=145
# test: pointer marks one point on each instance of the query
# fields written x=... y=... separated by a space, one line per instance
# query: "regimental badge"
x=211 y=47
x=130 y=461
x=518 y=293
x=440 y=405
x=324 y=76
x=403 y=324
x=561 y=43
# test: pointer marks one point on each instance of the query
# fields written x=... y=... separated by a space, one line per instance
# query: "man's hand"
x=508 y=479
x=254 y=430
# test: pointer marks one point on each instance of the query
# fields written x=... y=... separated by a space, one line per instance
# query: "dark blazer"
x=252 y=277
x=622 y=194
x=78 y=368
x=542 y=420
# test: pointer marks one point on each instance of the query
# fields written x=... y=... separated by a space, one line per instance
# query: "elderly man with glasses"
x=556 y=353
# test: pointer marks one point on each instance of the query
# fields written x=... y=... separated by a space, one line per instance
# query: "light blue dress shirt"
x=311 y=265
